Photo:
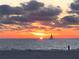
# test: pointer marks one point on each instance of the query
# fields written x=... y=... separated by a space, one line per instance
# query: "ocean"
x=22 y=44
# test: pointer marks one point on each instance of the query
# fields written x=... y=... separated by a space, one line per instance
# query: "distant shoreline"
x=38 y=38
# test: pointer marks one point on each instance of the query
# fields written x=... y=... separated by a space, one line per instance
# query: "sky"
x=63 y=3
x=39 y=18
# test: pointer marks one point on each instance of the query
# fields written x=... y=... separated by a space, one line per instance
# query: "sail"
x=51 y=37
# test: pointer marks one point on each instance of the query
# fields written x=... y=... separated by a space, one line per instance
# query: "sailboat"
x=51 y=37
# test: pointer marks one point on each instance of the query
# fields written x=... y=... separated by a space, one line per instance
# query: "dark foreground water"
x=23 y=44
x=39 y=54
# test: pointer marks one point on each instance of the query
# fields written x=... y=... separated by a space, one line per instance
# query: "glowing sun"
x=41 y=38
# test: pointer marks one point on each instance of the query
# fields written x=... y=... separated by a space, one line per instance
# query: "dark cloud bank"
x=33 y=11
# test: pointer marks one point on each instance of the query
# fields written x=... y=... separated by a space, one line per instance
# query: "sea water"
x=34 y=44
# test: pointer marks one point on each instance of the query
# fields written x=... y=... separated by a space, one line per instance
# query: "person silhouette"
x=68 y=47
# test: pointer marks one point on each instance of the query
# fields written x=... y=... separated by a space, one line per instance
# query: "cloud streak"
x=74 y=7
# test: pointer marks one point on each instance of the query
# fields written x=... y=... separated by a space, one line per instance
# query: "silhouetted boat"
x=51 y=37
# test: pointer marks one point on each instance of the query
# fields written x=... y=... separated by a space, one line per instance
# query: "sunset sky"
x=39 y=18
